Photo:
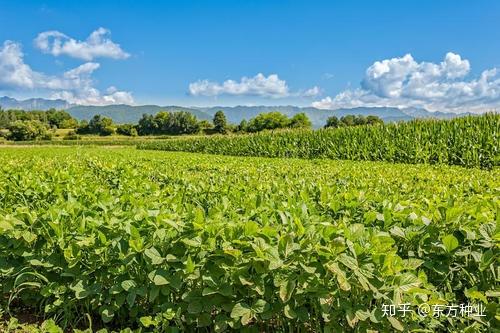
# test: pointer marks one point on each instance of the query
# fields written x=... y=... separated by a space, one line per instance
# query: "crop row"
x=166 y=241
x=86 y=142
x=468 y=141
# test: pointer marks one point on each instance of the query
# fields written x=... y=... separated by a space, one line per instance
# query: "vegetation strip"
x=175 y=241
x=467 y=141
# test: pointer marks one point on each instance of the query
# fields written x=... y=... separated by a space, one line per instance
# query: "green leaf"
x=396 y=324
x=259 y=306
x=450 y=243
x=154 y=255
x=49 y=326
x=195 y=306
x=341 y=276
x=289 y=312
x=190 y=266
x=131 y=298
x=286 y=290
x=147 y=321
x=128 y=284
x=159 y=277
x=240 y=309
x=107 y=314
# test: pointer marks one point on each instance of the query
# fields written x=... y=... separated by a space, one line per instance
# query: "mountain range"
x=131 y=113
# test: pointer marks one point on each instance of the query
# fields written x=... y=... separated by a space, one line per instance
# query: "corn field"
x=468 y=141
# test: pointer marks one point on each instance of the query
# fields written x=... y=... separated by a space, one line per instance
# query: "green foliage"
x=468 y=141
x=173 y=241
x=126 y=129
x=220 y=122
x=170 y=123
x=299 y=120
x=352 y=120
x=26 y=130
x=333 y=122
x=97 y=125
x=243 y=126
x=51 y=118
x=267 y=121
x=273 y=121
x=72 y=136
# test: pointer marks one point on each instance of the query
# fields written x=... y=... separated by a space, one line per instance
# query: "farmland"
x=166 y=241
x=466 y=141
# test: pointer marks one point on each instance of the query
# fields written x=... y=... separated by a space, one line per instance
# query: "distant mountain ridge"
x=121 y=113
x=235 y=114
x=33 y=104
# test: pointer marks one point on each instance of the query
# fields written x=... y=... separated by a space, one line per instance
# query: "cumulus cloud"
x=312 y=92
x=259 y=85
x=75 y=85
x=404 y=82
x=97 y=45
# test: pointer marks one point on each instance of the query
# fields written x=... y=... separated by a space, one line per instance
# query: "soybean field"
x=152 y=241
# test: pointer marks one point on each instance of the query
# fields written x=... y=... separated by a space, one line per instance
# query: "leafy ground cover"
x=467 y=141
x=168 y=241
x=92 y=141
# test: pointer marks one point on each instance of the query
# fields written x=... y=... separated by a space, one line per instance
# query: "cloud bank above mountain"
x=404 y=82
x=259 y=85
x=75 y=85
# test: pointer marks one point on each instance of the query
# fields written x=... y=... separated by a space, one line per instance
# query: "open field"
x=467 y=141
x=166 y=241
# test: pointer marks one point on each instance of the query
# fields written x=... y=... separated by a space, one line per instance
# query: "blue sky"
x=433 y=54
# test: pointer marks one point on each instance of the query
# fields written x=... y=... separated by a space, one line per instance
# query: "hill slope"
x=127 y=113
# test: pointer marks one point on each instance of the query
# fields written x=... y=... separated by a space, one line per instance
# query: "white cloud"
x=312 y=92
x=259 y=85
x=403 y=82
x=98 y=44
x=13 y=70
x=75 y=85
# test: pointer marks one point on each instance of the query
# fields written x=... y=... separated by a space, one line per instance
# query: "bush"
x=126 y=129
x=71 y=136
x=28 y=130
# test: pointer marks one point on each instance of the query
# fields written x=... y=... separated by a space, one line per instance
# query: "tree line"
x=21 y=125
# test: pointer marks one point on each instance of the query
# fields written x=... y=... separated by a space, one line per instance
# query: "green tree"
x=28 y=130
x=348 y=120
x=59 y=118
x=126 y=129
x=268 y=121
x=374 y=120
x=220 y=122
x=300 y=120
x=243 y=126
x=97 y=125
x=147 y=125
x=332 y=122
x=68 y=123
x=359 y=120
